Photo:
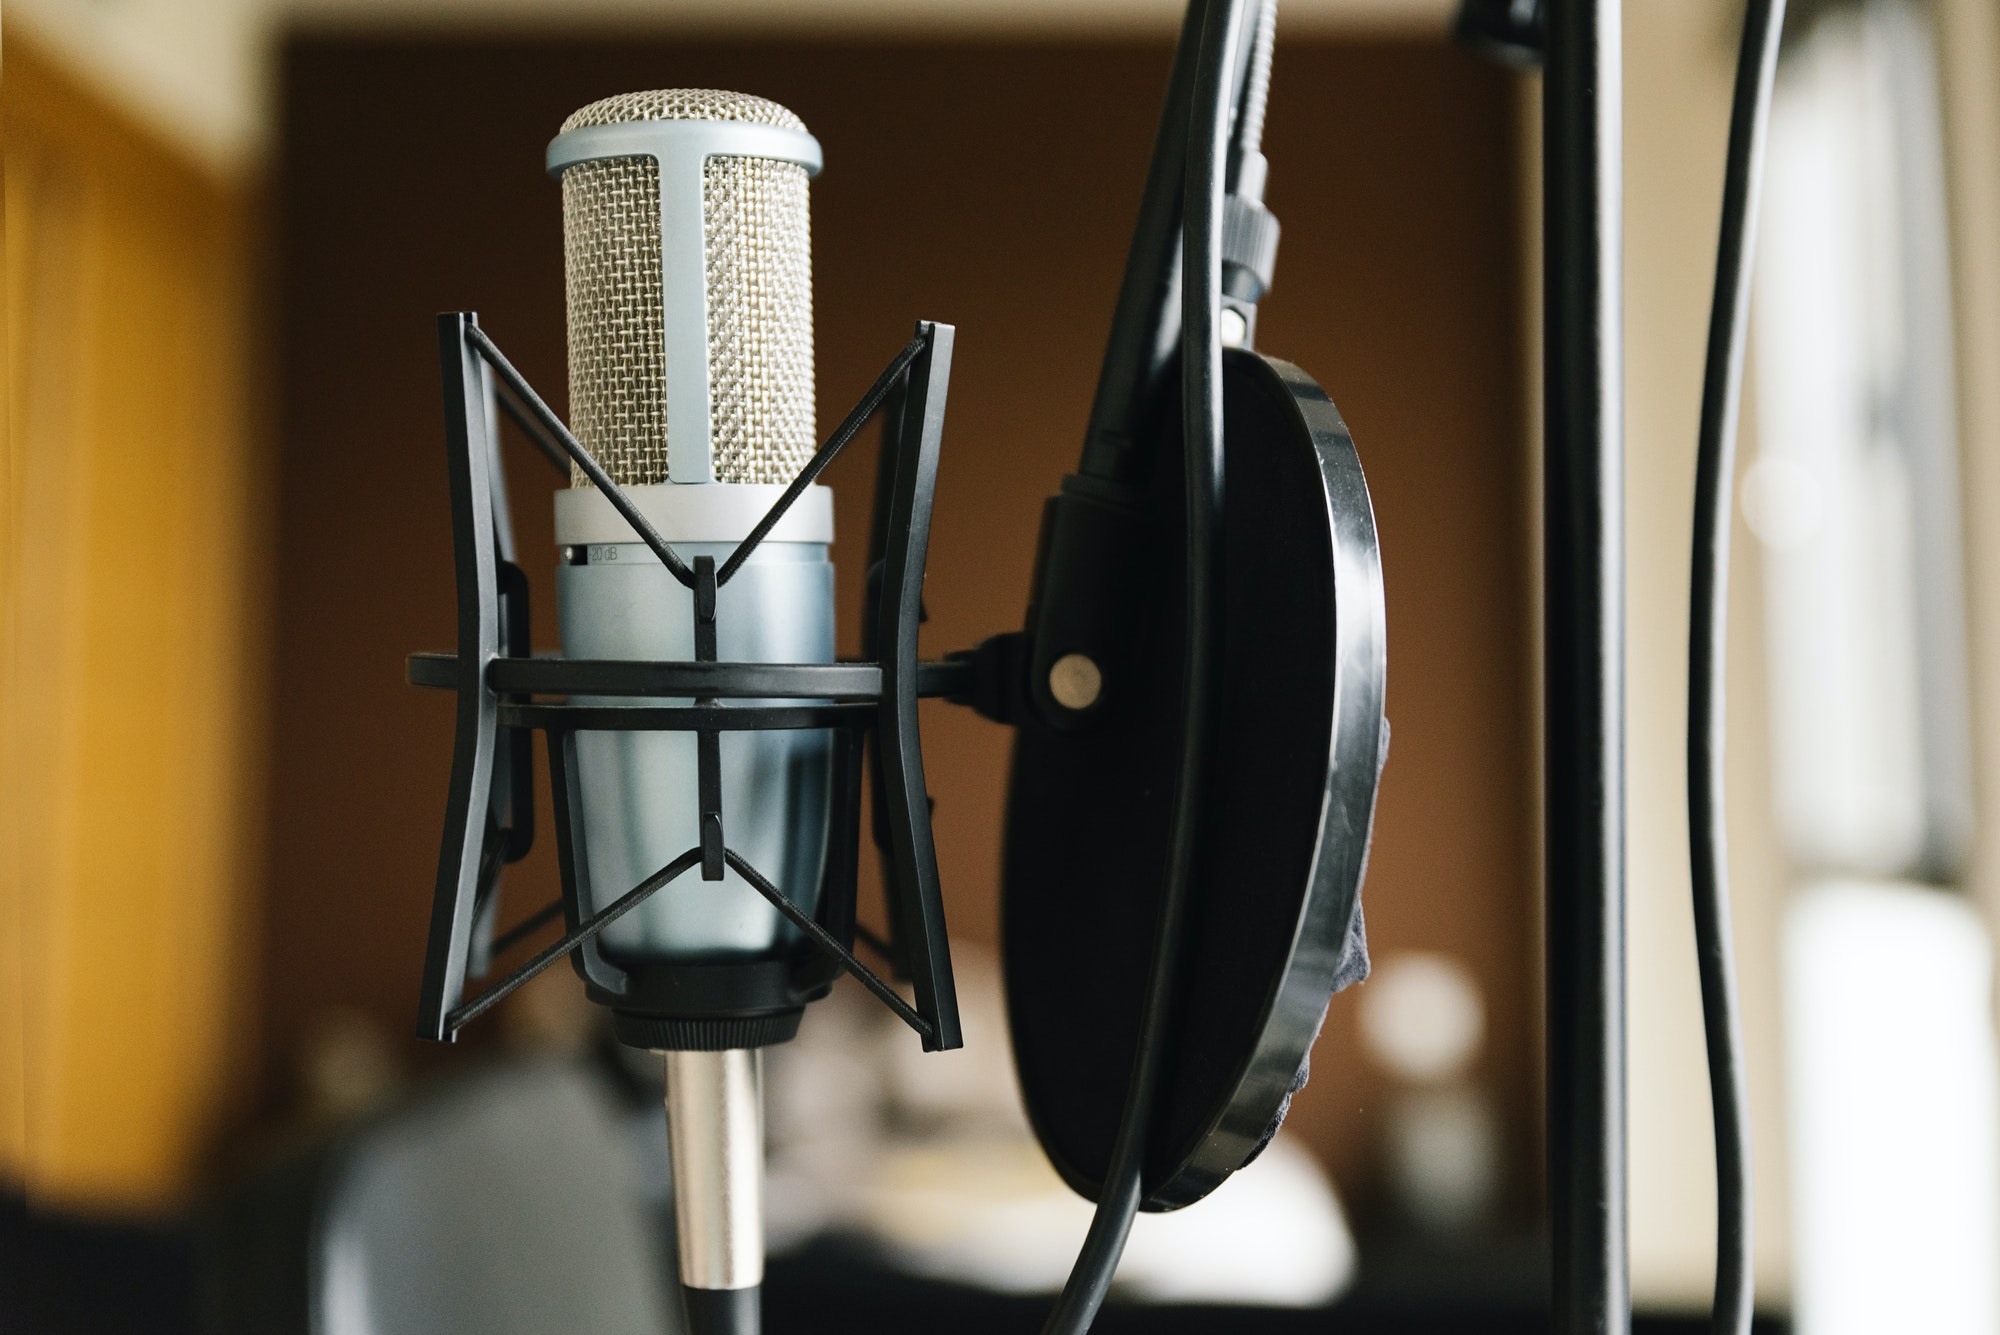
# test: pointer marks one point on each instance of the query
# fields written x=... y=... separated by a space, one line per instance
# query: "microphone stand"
x=715 y=1133
x=1584 y=665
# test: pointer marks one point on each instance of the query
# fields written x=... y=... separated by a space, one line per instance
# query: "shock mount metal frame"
x=505 y=694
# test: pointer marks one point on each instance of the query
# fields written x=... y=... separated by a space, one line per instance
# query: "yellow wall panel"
x=13 y=1081
x=131 y=700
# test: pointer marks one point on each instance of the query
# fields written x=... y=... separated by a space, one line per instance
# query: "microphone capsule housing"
x=687 y=258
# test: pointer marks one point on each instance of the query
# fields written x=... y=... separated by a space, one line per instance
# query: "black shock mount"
x=506 y=693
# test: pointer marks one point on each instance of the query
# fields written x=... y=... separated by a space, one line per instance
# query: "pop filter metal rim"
x=1240 y=1109
x=1302 y=991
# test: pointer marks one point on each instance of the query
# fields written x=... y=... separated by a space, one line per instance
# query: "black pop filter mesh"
x=1274 y=919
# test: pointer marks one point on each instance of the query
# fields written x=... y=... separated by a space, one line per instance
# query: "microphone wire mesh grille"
x=758 y=253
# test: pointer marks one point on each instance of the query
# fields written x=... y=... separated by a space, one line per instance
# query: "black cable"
x=1201 y=394
x=1715 y=469
x=1144 y=324
x=1145 y=334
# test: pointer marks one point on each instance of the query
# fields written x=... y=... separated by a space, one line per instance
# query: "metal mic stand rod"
x=715 y=1132
x=1584 y=666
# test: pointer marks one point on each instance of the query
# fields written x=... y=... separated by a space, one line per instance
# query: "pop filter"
x=1273 y=927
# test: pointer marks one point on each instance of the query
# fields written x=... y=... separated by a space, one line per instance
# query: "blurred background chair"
x=507 y=1200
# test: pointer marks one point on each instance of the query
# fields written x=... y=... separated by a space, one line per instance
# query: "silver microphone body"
x=689 y=284
x=637 y=790
x=687 y=257
x=715 y=1128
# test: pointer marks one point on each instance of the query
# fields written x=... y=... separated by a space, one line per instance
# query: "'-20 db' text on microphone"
x=704 y=748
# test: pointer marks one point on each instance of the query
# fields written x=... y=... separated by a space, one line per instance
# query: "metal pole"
x=715 y=1135
x=1585 y=672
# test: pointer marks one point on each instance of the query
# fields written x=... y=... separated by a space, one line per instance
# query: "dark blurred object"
x=1512 y=32
x=829 y=1277
x=67 y=1276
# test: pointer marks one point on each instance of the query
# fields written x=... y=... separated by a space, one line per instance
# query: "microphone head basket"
x=506 y=694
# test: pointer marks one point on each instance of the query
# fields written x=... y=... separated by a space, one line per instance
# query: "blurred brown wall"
x=992 y=186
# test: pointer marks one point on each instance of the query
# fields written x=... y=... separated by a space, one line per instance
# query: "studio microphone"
x=687 y=262
x=1167 y=969
x=705 y=750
